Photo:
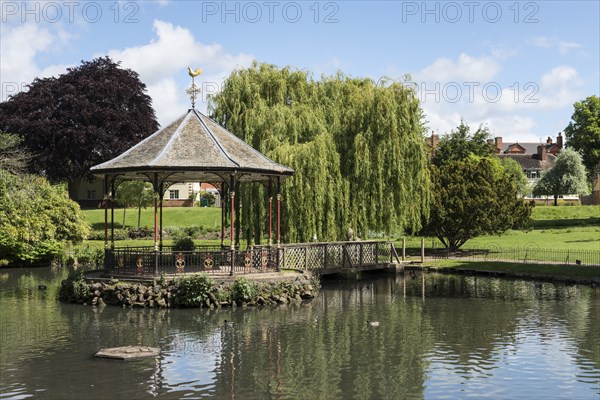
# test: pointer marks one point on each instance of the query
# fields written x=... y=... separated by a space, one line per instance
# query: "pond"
x=439 y=336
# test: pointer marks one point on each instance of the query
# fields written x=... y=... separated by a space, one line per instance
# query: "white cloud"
x=19 y=47
x=509 y=111
x=465 y=69
x=548 y=43
x=163 y=62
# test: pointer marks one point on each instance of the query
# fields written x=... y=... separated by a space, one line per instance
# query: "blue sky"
x=516 y=66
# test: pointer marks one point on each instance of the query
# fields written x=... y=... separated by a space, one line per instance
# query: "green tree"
x=138 y=194
x=86 y=116
x=36 y=220
x=357 y=149
x=583 y=132
x=568 y=176
x=207 y=199
x=519 y=179
x=472 y=197
x=13 y=156
x=460 y=143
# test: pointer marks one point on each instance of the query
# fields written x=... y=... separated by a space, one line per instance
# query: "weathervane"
x=194 y=90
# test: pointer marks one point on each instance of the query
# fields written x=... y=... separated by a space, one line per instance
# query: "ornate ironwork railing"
x=143 y=261
x=336 y=255
x=140 y=261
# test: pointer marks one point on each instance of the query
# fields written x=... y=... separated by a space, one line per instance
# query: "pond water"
x=440 y=336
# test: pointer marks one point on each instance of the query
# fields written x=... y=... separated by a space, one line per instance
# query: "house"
x=185 y=194
x=535 y=159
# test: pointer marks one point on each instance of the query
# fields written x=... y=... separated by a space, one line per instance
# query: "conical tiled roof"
x=193 y=148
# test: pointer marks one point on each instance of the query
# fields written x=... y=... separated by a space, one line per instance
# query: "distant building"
x=185 y=194
x=534 y=158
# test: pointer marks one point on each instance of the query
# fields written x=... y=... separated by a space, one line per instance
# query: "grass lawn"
x=209 y=217
x=566 y=227
x=554 y=271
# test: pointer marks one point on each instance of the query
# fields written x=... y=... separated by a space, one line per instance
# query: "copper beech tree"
x=81 y=118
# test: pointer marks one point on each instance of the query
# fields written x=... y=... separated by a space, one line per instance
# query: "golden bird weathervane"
x=194 y=90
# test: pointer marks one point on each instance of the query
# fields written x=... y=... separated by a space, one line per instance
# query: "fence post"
x=377 y=253
x=422 y=249
x=360 y=254
x=403 y=248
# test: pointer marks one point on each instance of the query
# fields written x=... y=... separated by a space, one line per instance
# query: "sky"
x=516 y=67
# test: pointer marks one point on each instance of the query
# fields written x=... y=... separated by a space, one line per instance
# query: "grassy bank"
x=556 y=228
x=560 y=272
x=209 y=217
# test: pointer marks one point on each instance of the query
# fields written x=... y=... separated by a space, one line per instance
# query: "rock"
x=161 y=303
x=307 y=295
x=207 y=303
x=151 y=303
x=97 y=293
x=97 y=285
x=212 y=298
x=94 y=301
x=156 y=289
x=101 y=302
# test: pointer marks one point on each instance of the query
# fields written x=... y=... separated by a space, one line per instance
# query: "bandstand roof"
x=193 y=148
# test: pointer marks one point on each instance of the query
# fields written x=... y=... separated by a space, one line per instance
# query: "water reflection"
x=439 y=336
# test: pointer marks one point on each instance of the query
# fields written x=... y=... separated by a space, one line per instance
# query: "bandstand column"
x=161 y=195
x=278 y=212
x=278 y=222
x=232 y=200
x=106 y=256
x=270 y=212
x=112 y=214
x=156 y=195
x=222 y=201
x=105 y=212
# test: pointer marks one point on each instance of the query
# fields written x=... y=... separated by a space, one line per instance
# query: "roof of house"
x=530 y=148
x=193 y=148
x=529 y=161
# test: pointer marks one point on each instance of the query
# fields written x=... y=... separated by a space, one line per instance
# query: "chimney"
x=542 y=154
x=433 y=141
x=549 y=140
x=498 y=143
x=559 y=141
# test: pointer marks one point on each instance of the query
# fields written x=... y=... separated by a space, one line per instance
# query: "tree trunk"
x=123 y=225
x=139 y=216
x=555 y=200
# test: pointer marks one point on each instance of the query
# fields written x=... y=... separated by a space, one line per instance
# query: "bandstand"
x=195 y=148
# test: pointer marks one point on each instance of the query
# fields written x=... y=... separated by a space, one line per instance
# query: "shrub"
x=36 y=220
x=184 y=244
x=89 y=257
x=75 y=288
x=193 y=291
x=120 y=234
x=141 y=233
x=243 y=289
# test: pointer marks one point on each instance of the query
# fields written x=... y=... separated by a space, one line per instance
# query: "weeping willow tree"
x=356 y=147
